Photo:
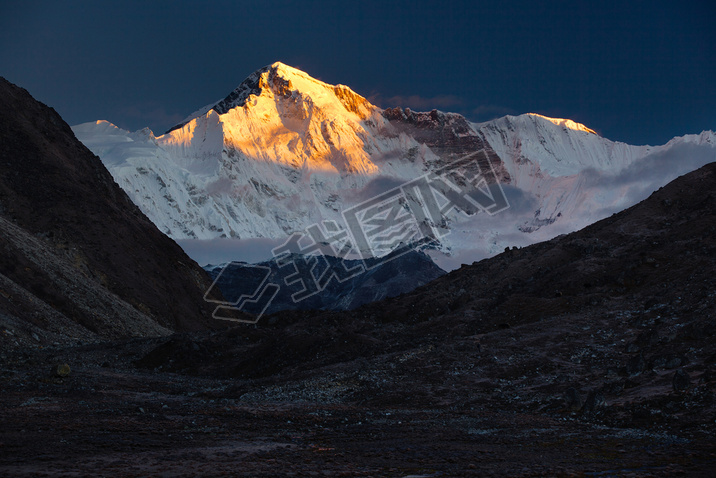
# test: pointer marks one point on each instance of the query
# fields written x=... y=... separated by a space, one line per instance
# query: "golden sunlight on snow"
x=567 y=123
x=295 y=121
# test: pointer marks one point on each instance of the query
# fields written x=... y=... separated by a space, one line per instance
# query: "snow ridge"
x=284 y=151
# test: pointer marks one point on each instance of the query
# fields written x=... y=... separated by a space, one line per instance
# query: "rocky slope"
x=298 y=287
x=613 y=323
x=588 y=355
x=637 y=286
x=77 y=258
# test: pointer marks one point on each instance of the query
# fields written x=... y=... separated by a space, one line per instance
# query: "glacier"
x=284 y=151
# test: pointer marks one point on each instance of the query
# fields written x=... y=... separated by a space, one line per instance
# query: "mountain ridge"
x=266 y=78
x=76 y=249
x=387 y=279
x=290 y=151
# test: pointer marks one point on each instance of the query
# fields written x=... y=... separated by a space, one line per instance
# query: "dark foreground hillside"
x=78 y=260
x=593 y=354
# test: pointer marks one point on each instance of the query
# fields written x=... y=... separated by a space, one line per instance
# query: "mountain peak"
x=280 y=80
x=284 y=80
x=567 y=123
x=287 y=70
x=277 y=77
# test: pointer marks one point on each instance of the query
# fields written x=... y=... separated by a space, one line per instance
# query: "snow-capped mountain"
x=284 y=151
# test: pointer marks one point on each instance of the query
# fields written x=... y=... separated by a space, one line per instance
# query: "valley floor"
x=593 y=354
x=109 y=418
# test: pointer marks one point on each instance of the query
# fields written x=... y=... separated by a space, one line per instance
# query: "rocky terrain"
x=296 y=276
x=592 y=354
x=78 y=260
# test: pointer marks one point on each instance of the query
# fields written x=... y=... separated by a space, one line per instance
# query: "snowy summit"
x=284 y=151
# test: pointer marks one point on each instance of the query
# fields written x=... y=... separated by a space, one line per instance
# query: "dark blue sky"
x=640 y=72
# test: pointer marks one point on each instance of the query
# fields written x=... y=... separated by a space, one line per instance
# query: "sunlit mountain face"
x=285 y=151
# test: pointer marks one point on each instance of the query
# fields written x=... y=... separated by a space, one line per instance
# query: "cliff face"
x=74 y=248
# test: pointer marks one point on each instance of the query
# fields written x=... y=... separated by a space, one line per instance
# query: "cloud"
x=637 y=181
x=600 y=194
x=447 y=103
x=520 y=201
x=219 y=251
x=476 y=237
x=419 y=103
x=220 y=186
x=373 y=188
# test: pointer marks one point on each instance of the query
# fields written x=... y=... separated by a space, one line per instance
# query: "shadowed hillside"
x=77 y=257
